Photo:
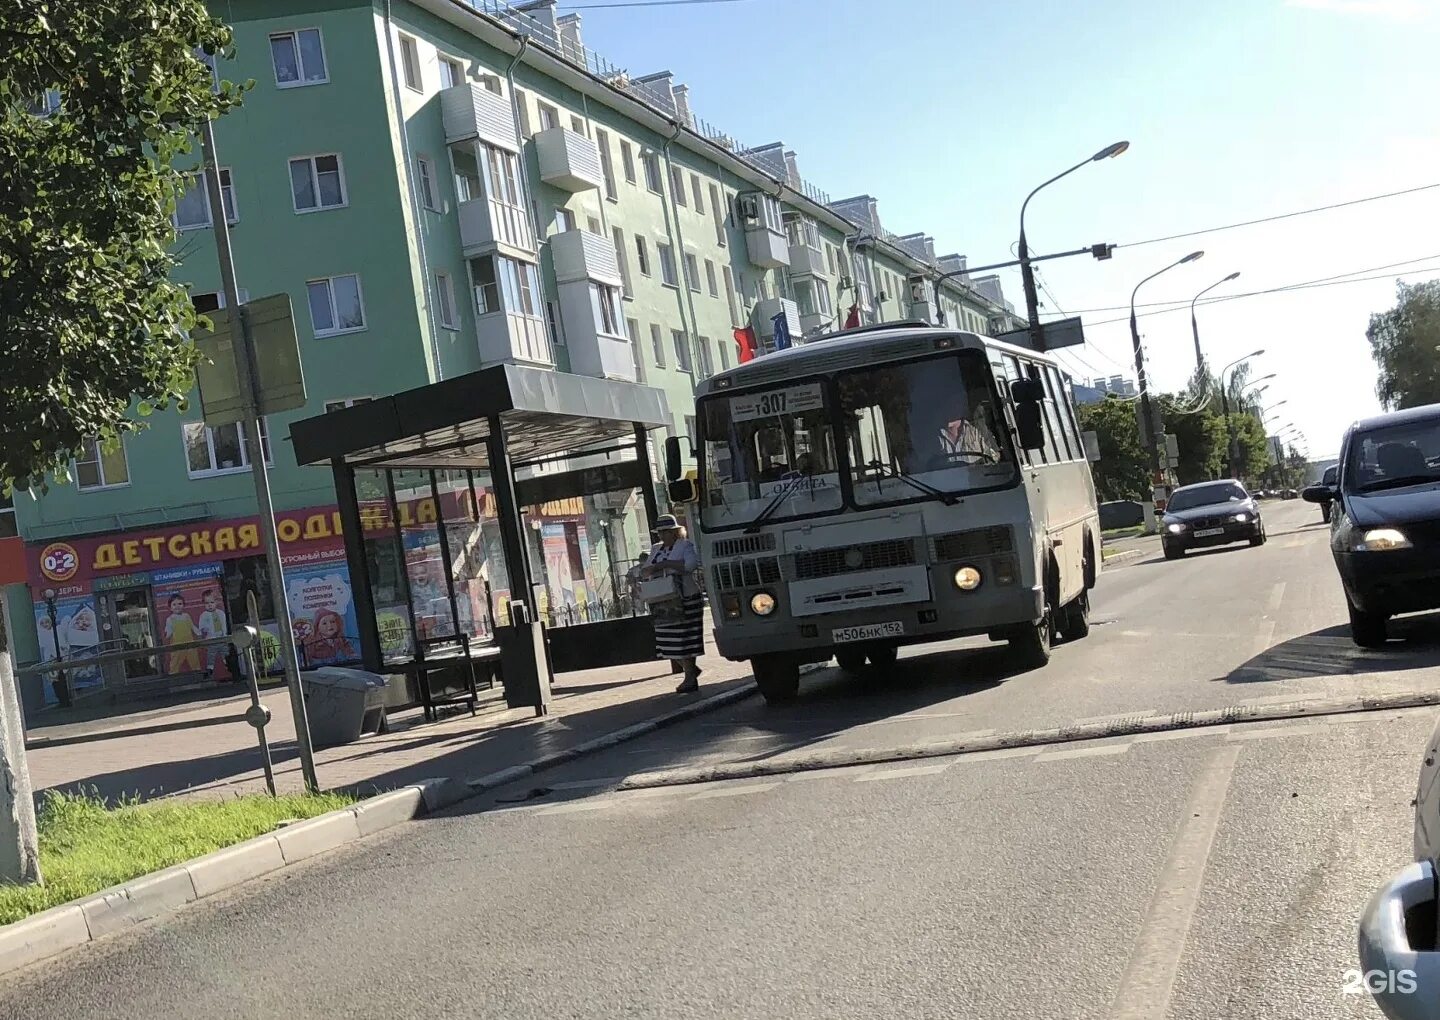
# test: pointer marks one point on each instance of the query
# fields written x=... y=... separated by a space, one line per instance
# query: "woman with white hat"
x=679 y=625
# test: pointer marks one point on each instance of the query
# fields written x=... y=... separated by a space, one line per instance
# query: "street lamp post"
x=1027 y=273
x=1195 y=325
x=1148 y=431
x=1225 y=410
x=58 y=679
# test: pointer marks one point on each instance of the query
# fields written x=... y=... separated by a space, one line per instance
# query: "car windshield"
x=768 y=451
x=1393 y=456
x=918 y=429
x=1205 y=495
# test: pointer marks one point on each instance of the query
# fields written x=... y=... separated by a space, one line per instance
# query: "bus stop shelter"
x=494 y=422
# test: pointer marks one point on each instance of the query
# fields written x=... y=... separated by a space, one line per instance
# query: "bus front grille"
x=964 y=545
x=726 y=547
x=898 y=552
x=747 y=573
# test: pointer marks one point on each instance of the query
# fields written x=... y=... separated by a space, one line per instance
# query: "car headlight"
x=762 y=603
x=1175 y=528
x=967 y=578
x=1241 y=517
x=1381 y=540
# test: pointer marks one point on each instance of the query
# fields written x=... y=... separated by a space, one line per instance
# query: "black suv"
x=1207 y=514
x=1385 y=518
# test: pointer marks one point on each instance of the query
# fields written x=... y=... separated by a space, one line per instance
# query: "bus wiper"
x=948 y=498
x=774 y=504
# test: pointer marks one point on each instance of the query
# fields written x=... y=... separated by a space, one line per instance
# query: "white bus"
x=889 y=486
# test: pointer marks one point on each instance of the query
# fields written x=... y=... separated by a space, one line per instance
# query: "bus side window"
x=1067 y=409
x=1053 y=451
x=1012 y=373
x=1052 y=410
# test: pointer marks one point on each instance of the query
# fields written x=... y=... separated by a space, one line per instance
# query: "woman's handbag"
x=660 y=593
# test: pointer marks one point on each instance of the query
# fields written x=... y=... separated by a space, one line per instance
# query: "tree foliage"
x=1199 y=435
x=1403 y=342
x=1121 y=472
x=90 y=324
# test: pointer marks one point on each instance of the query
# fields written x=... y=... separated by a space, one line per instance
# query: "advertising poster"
x=190 y=606
x=322 y=611
x=559 y=585
x=77 y=623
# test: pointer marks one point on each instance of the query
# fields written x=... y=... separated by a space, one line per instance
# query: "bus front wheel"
x=851 y=660
x=778 y=678
x=1031 y=643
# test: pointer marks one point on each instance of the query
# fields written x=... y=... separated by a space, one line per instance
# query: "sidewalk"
x=210 y=751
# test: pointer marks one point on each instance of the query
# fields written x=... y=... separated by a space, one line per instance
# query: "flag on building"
x=782 y=331
x=852 y=321
x=745 y=339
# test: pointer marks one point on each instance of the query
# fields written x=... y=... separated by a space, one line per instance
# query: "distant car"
x=1328 y=480
x=1385 y=522
x=1289 y=494
x=1209 y=514
x=1398 y=940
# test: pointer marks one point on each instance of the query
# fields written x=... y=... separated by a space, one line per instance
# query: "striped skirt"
x=680 y=634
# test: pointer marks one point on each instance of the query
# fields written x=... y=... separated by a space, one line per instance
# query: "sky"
x=950 y=111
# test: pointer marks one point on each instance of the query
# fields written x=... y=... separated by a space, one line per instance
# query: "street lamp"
x=1195 y=326
x=1027 y=274
x=57 y=680
x=1225 y=410
x=1147 y=420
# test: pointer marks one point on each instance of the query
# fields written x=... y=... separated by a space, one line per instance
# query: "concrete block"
x=138 y=900
x=227 y=868
x=381 y=812
x=316 y=835
x=41 y=936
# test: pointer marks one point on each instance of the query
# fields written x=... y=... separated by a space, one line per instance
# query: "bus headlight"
x=762 y=603
x=967 y=578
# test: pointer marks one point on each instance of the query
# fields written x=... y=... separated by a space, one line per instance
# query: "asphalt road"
x=1207 y=873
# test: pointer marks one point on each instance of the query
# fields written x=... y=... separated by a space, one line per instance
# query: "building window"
x=522 y=103
x=47 y=103
x=452 y=72
x=212 y=301
x=729 y=279
x=682 y=351
x=299 y=58
x=607 y=165
x=692 y=272
x=552 y=322
x=192 y=210
x=632 y=331
x=410 y=62
x=623 y=259
x=336 y=305
x=445 y=298
x=702 y=347
x=340 y=405
x=504 y=285
x=549 y=116
x=426 y=172
x=657 y=345
x=564 y=220
x=8 y=527
x=652 y=171
x=724 y=356
x=697 y=194
x=503 y=170
x=830 y=258
x=627 y=160
x=677 y=185
x=100 y=467
x=605 y=302
x=710 y=279
x=717 y=210
x=577 y=124
x=667 y=264
x=592 y=224
x=642 y=254
x=317 y=182
x=218 y=450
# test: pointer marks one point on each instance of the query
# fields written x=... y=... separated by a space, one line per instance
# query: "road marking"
x=585 y=784
x=1149 y=978
x=1266 y=732
x=914 y=770
x=1200 y=731
x=998 y=753
x=578 y=806
x=1262 y=640
x=731 y=790
x=1099 y=719
x=1103 y=751
x=1277 y=593
x=839 y=772
x=1280 y=699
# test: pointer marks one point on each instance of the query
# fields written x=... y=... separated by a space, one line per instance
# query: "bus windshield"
x=923 y=427
x=768 y=452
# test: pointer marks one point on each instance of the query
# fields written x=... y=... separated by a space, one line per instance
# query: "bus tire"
x=777 y=677
x=883 y=655
x=1031 y=643
x=851 y=660
x=1077 y=618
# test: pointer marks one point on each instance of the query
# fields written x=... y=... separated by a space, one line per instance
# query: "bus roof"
x=850 y=349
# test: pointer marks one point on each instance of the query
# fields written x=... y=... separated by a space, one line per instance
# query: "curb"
x=1124 y=556
x=1127 y=726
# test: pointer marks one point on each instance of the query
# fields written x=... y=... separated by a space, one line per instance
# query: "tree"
x=1199 y=435
x=1404 y=342
x=99 y=102
x=1121 y=472
x=1253 y=447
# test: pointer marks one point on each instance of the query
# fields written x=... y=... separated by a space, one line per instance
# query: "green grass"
x=1113 y=533
x=86 y=846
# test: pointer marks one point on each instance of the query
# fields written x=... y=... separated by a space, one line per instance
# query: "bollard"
x=246 y=639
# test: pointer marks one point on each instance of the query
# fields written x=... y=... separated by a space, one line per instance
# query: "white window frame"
x=654 y=177
x=549 y=115
x=692 y=272
x=213 y=471
x=705 y=361
x=657 y=344
x=227 y=191
x=410 y=71
x=724 y=356
x=642 y=255
x=697 y=194
x=627 y=161
x=607 y=164
x=425 y=170
x=445 y=296
x=329 y=281
x=711 y=283
x=315 y=182
x=455 y=65
x=677 y=185
x=684 y=360
x=717 y=210
x=344 y=402
x=632 y=332
x=9 y=523
x=622 y=257
x=605 y=302
x=99 y=462
x=669 y=271
x=294 y=34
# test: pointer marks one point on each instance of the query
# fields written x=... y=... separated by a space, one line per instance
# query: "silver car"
x=1399 y=954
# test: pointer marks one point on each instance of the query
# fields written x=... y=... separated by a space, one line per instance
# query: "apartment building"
x=443 y=186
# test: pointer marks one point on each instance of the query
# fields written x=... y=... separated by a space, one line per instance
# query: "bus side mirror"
x=1091 y=440
x=682 y=490
x=674 y=468
x=1026 y=391
x=1029 y=426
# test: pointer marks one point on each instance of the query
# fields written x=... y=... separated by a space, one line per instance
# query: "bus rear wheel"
x=1076 y=624
x=850 y=660
x=777 y=677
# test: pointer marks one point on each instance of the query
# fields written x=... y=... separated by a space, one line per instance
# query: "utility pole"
x=1149 y=430
x=248 y=370
x=19 y=839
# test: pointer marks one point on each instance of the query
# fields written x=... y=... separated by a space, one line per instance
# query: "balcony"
x=768 y=248
x=596 y=349
x=513 y=338
x=487 y=225
x=473 y=113
x=765 y=312
x=580 y=255
x=923 y=311
x=807 y=261
x=568 y=160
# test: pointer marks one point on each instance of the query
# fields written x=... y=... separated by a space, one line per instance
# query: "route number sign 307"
x=773 y=403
